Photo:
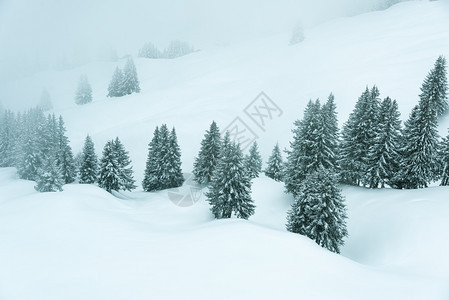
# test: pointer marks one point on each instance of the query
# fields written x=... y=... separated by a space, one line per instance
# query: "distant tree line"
x=175 y=49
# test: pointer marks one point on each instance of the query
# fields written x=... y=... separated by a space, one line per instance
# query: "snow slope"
x=85 y=243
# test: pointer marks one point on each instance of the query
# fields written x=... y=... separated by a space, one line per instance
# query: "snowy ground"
x=84 y=243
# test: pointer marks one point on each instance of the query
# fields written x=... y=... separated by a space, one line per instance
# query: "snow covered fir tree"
x=130 y=82
x=64 y=157
x=45 y=102
x=49 y=178
x=151 y=181
x=358 y=134
x=314 y=144
x=163 y=167
x=383 y=156
x=88 y=170
x=230 y=188
x=275 y=164
x=253 y=161
x=318 y=211
x=83 y=93
x=115 y=88
x=209 y=155
x=435 y=87
x=176 y=49
x=149 y=50
x=124 y=82
x=115 y=171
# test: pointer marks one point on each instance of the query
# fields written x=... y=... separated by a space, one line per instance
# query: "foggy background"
x=53 y=34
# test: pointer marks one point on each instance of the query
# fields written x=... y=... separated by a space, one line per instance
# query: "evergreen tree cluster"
x=221 y=166
x=38 y=147
x=230 y=186
x=374 y=151
x=163 y=167
x=124 y=82
x=175 y=49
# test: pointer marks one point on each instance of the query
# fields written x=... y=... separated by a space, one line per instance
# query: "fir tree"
x=45 y=102
x=444 y=154
x=152 y=170
x=109 y=177
x=297 y=35
x=126 y=179
x=253 y=162
x=383 y=155
x=130 y=82
x=274 y=164
x=149 y=51
x=163 y=175
x=172 y=162
x=358 y=135
x=8 y=139
x=330 y=134
x=83 y=93
x=206 y=162
x=32 y=151
x=435 y=88
x=319 y=212
x=312 y=147
x=177 y=48
x=230 y=189
x=49 y=178
x=65 y=161
x=420 y=163
x=89 y=163
x=115 y=88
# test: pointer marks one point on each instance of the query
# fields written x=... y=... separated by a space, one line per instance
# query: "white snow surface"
x=84 y=243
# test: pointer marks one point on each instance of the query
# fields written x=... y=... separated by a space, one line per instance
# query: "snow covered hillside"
x=84 y=243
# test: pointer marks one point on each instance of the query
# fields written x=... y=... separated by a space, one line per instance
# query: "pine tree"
x=172 y=163
x=8 y=139
x=130 y=82
x=126 y=179
x=109 y=177
x=163 y=174
x=49 y=178
x=177 y=48
x=383 y=154
x=297 y=35
x=308 y=149
x=152 y=170
x=330 y=138
x=420 y=163
x=115 y=88
x=149 y=50
x=206 y=162
x=253 y=162
x=89 y=163
x=319 y=212
x=435 y=87
x=31 y=153
x=444 y=154
x=83 y=93
x=64 y=156
x=230 y=189
x=45 y=101
x=274 y=164
x=357 y=136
